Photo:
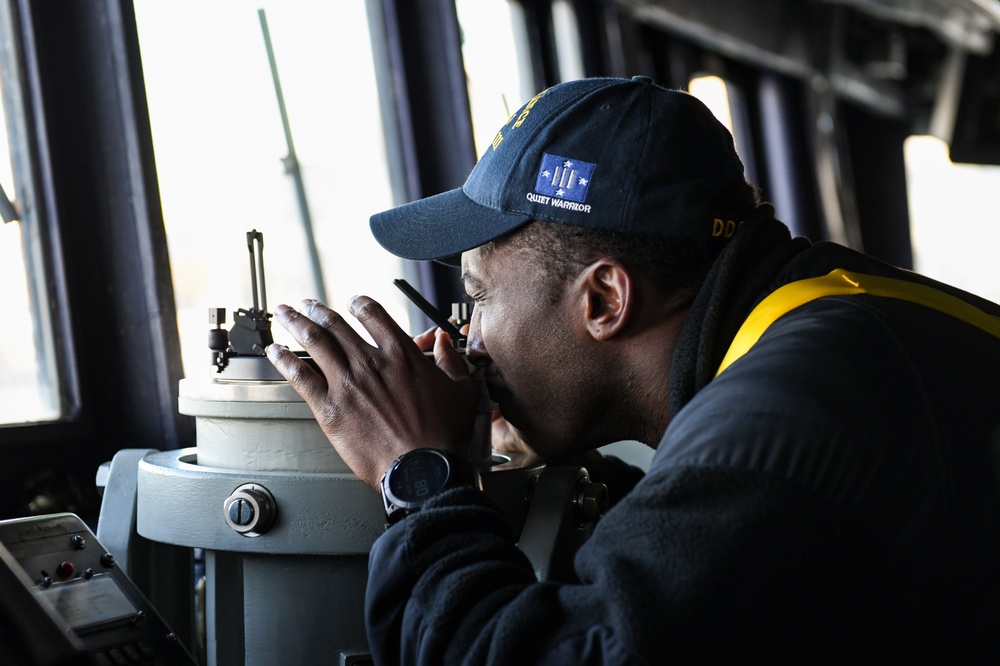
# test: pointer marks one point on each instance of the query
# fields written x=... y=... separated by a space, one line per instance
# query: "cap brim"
x=441 y=227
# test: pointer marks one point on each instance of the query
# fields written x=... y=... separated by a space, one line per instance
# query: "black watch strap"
x=418 y=475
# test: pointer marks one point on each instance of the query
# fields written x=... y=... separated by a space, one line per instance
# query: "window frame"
x=102 y=247
x=46 y=291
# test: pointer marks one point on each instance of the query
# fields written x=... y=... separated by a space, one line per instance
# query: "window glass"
x=727 y=103
x=714 y=93
x=569 y=51
x=221 y=155
x=497 y=63
x=953 y=218
x=29 y=389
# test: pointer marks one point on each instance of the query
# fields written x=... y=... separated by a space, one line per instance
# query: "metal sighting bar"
x=291 y=163
x=251 y=332
x=432 y=312
x=257 y=269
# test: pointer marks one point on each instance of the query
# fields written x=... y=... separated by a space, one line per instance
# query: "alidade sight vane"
x=257 y=269
x=251 y=331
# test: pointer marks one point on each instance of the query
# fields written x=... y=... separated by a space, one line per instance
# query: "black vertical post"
x=875 y=147
x=422 y=85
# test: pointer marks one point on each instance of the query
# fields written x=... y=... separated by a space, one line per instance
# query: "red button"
x=65 y=570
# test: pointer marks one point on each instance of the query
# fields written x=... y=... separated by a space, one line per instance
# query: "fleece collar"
x=743 y=275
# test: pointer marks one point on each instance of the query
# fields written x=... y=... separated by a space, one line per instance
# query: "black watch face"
x=418 y=477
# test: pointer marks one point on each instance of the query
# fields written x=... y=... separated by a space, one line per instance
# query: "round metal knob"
x=591 y=501
x=250 y=510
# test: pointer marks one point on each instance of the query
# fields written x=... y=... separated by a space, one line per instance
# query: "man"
x=823 y=488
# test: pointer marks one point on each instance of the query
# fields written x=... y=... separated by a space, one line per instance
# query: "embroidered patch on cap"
x=564 y=178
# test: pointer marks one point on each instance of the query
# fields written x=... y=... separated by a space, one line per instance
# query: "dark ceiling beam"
x=777 y=36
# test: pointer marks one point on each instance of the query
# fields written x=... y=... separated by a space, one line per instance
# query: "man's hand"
x=504 y=437
x=376 y=403
x=508 y=439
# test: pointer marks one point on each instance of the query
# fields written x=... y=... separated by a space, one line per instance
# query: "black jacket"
x=830 y=497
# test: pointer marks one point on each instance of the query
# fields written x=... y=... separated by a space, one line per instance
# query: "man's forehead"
x=492 y=265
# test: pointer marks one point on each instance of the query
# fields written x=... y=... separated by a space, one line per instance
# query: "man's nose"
x=475 y=348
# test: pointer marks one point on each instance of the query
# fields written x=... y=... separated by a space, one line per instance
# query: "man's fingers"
x=306 y=381
x=425 y=341
x=330 y=320
x=316 y=340
x=447 y=358
x=384 y=330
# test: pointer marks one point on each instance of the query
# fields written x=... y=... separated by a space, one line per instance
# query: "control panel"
x=81 y=585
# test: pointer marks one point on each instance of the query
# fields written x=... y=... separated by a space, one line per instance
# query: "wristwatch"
x=418 y=475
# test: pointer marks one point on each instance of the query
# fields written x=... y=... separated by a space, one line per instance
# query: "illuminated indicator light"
x=65 y=570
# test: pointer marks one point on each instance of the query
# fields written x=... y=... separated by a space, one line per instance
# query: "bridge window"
x=29 y=384
x=569 y=50
x=714 y=92
x=225 y=167
x=497 y=63
x=953 y=218
x=728 y=104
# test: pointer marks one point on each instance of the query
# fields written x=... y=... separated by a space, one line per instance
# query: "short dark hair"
x=672 y=264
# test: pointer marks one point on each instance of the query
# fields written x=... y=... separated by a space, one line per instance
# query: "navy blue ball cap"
x=624 y=155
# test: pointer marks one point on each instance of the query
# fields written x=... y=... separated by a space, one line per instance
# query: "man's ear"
x=607 y=292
